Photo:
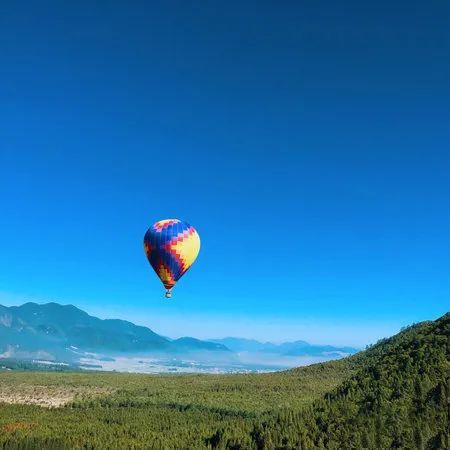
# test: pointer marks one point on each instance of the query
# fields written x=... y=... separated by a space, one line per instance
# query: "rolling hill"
x=397 y=397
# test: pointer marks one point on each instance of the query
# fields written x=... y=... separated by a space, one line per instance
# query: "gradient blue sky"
x=308 y=143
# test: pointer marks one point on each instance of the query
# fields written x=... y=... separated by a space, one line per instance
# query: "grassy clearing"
x=248 y=393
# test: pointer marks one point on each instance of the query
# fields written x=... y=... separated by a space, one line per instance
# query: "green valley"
x=392 y=395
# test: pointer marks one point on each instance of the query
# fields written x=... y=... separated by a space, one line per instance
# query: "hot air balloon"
x=171 y=247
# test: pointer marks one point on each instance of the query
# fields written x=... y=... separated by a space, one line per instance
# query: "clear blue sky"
x=308 y=143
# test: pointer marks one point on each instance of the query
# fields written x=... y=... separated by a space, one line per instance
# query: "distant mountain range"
x=296 y=348
x=60 y=332
x=55 y=332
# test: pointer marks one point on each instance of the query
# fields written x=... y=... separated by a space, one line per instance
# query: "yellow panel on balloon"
x=186 y=246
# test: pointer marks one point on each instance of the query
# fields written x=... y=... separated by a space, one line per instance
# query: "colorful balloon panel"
x=171 y=247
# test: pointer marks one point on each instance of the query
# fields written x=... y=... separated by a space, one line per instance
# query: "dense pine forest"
x=392 y=395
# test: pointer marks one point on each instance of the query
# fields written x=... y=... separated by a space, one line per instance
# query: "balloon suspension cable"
x=168 y=293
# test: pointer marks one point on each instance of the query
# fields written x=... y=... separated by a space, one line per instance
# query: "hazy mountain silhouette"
x=55 y=332
x=296 y=348
x=60 y=331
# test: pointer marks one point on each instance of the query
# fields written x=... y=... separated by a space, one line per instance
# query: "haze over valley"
x=63 y=335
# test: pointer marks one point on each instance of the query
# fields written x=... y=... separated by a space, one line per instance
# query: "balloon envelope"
x=171 y=247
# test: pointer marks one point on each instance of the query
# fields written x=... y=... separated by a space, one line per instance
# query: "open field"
x=118 y=410
x=240 y=392
x=48 y=389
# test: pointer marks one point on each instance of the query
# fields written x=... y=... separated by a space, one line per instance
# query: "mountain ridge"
x=53 y=330
x=65 y=333
x=292 y=348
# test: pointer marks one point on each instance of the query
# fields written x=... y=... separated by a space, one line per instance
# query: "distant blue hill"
x=55 y=331
x=296 y=348
x=64 y=333
x=192 y=343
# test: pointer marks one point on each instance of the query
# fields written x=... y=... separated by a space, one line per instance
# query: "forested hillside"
x=393 y=395
x=397 y=398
